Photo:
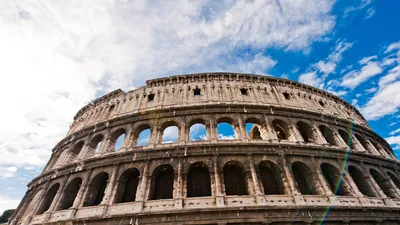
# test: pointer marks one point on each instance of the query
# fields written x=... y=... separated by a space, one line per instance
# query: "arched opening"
x=347 y=139
x=234 y=179
x=305 y=179
x=97 y=187
x=48 y=198
x=328 y=135
x=254 y=129
x=197 y=131
x=170 y=133
x=74 y=153
x=379 y=148
x=198 y=181
x=361 y=181
x=127 y=186
x=306 y=132
x=363 y=143
x=395 y=179
x=95 y=143
x=141 y=136
x=117 y=139
x=226 y=130
x=162 y=183
x=383 y=183
x=70 y=194
x=281 y=129
x=335 y=180
x=32 y=204
x=270 y=178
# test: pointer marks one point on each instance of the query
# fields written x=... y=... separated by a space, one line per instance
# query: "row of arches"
x=235 y=180
x=227 y=128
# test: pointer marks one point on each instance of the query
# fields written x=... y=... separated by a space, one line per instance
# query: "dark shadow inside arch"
x=328 y=135
x=395 y=179
x=281 y=129
x=127 y=186
x=97 y=187
x=198 y=181
x=234 y=179
x=117 y=139
x=95 y=143
x=162 y=183
x=271 y=178
x=347 y=139
x=306 y=132
x=383 y=183
x=70 y=194
x=48 y=198
x=304 y=178
x=335 y=179
x=361 y=181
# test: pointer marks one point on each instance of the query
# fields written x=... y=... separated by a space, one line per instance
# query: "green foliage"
x=6 y=214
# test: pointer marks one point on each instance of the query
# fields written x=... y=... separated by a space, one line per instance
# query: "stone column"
x=260 y=199
x=295 y=132
x=213 y=129
x=321 y=137
x=289 y=183
x=141 y=192
x=353 y=185
x=270 y=130
x=178 y=200
x=56 y=199
x=242 y=134
x=79 y=200
x=36 y=208
x=128 y=136
x=110 y=187
x=373 y=149
x=183 y=132
x=219 y=197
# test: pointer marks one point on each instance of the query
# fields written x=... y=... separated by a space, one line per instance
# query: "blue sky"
x=59 y=55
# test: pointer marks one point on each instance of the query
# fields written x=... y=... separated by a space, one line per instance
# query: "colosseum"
x=309 y=158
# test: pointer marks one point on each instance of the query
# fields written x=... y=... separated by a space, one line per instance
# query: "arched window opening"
x=226 y=131
x=270 y=178
x=48 y=199
x=254 y=130
x=162 y=183
x=96 y=143
x=304 y=178
x=328 y=135
x=196 y=91
x=306 y=132
x=361 y=181
x=335 y=179
x=363 y=143
x=198 y=181
x=281 y=129
x=197 y=132
x=150 y=97
x=234 y=179
x=70 y=194
x=243 y=91
x=127 y=186
x=117 y=139
x=383 y=183
x=395 y=180
x=170 y=134
x=286 y=95
x=97 y=187
x=142 y=135
x=379 y=148
x=347 y=139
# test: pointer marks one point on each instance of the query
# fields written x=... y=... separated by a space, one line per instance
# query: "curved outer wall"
x=308 y=153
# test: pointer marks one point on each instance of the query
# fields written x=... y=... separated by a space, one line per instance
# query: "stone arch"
x=362 y=182
x=281 y=129
x=235 y=179
x=305 y=179
x=395 y=179
x=230 y=124
x=258 y=130
x=335 y=180
x=97 y=187
x=383 y=183
x=306 y=131
x=127 y=186
x=74 y=152
x=117 y=139
x=364 y=143
x=162 y=183
x=141 y=135
x=48 y=198
x=328 y=135
x=347 y=138
x=169 y=132
x=196 y=129
x=95 y=143
x=70 y=193
x=198 y=180
x=35 y=200
x=271 y=178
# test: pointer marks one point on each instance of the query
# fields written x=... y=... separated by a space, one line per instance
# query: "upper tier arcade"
x=207 y=89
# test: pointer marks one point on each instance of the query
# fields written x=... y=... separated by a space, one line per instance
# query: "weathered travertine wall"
x=308 y=152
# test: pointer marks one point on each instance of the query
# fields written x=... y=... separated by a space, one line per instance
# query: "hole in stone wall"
x=270 y=178
x=286 y=95
x=395 y=179
x=196 y=91
x=347 y=139
x=304 y=178
x=118 y=138
x=243 y=91
x=97 y=187
x=150 y=97
x=281 y=129
x=127 y=186
x=328 y=135
x=143 y=137
x=225 y=131
x=162 y=183
x=383 y=183
x=198 y=181
x=321 y=103
x=361 y=182
x=234 y=179
x=170 y=134
x=70 y=194
x=48 y=199
x=334 y=179
x=197 y=132
x=96 y=142
x=306 y=132
x=253 y=131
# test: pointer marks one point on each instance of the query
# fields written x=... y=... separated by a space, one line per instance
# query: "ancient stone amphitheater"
x=309 y=158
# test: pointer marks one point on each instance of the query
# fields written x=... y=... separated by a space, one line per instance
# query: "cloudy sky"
x=59 y=55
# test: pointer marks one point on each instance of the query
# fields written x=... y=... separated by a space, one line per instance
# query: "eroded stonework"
x=310 y=157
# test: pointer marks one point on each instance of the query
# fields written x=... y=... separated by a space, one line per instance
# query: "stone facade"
x=310 y=157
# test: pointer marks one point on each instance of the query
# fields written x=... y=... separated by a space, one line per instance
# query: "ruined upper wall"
x=215 y=88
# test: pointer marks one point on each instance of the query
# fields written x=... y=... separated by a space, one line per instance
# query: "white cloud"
x=7 y=203
x=392 y=75
x=7 y=172
x=170 y=134
x=370 y=13
x=395 y=132
x=393 y=46
x=367 y=59
x=356 y=77
x=362 y=5
x=312 y=79
x=61 y=55
x=371 y=90
x=226 y=137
